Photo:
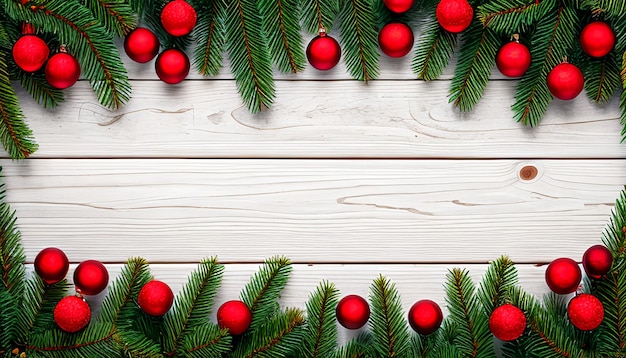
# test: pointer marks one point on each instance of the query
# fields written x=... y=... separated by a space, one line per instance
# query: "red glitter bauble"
x=30 y=53
x=172 y=66
x=234 y=315
x=395 y=39
x=597 y=39
x=597 y=261
x=323 y=52
x=425 y=317
x=513 y=59
x=51 y=264
x=155 y=298
x=353 y=311
x=585 y=312
x=178 y=18
x=62 y=70
x=72 y=314
x=141 y=45
x=565 y=81
x=563 y=275
x=398 y=6
x=91 y=277
x=454 y=15
x=507 y=322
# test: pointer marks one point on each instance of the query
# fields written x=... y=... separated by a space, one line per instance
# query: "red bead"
x=155 y=298
x=597 y=39
x=597 y=261
x=585 y=312
x=398 y=6
x=172 y=66
x=323 y=52
x=395 y=39
x=51 y=264
x=425 y=317
x=454 y=15
x=565 y=81
x=141 y=45
x=352 y=312
x=178 y=18
x=91 y=277
x=513 y=59
x=563 y=276
x=30 y=53
x=235 y=316
x=62 y=70
x=72 y=314
x=507 y=322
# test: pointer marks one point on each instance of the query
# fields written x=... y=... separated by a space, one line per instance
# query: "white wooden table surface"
x=348 y=180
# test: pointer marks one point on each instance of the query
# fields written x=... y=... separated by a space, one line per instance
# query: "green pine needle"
x=318 y=14
x=433 y=51
x=116 y=16
x=94 y=341
x=210 y=36
x=500 y=277
x=387 y=322
x=359 y=347
x=510 y=16
x=359 y=39
x=206 y=341
x=281 y=24
x=603 y=78
x=40 y=89
x=320 y=337
x=9 y=318
x=37 y=306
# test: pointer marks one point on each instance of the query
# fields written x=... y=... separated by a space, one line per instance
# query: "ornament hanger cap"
x=322 y=31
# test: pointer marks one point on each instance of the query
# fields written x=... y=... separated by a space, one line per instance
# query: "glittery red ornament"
x=585 y=312
x=507 y=322
x=395 y=39
x=597 y=261
x=597 y=39
x=155 y=298
x=91 y=277
x=398 y=6
x=353 y=311
x=29 y=51
x=425 y=317
x=51 y=264
x=454 y=15
x=323 y=52
x=563 y=275
x=513 y=59
x=565 y=81
x=72 y=314
x=62 y=70
x=141 y=45
x=178 y=18
x=172 y=66
x=234 y=315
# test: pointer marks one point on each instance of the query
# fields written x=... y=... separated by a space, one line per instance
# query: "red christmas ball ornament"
x=398 y=6
x=51 y=264
x=323 y=52
x=563 y=275
x=597 y=261
x=425 y=317
x=513 y=59
x=178 y=18
x=597 y=39
x=352 y=312
x=91 y=277
x=30 y=52
x=395 y=39
x=454 y=15
x=62 y=70
x=141 y=45
x=507 y=322
x=585 y=312
x=234 y=315
x=172 y=66
x=565 y=81
x=72 y=314
x=155 y=298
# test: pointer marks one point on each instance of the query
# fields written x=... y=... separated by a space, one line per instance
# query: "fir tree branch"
x=116 y=16
x=206 y=341
x=494 y=289
x=359 y=347
x=40 y=90
x=511 y=16
x=210 y=36
x=93 y=341
x=320 y=337
x=389 y=330
x=37 y=307
x=602 y=78
x=9 y=318
x=434 y=49
x=359 y=39
x=318 y=14
x=281 y=24
x=622 y=101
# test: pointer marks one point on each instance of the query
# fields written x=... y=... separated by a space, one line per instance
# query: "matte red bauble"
x=513 y=59
x=72 y=314
x=172 y=66
x=352 y=312
x=585 y=312
x=507 y=322
x=425 y=317
x=235 y=316
x=454 y=15
x=62 y=70
x=398 y=6
x=597 y=39
x=155 y=298
x=30 y=53
x=565 y=81
x=178 y=18
x=91 y=277
x=323 y=52
x=597 y=261
x=51 y=264
x=395 y=39
x=141 y=45
x=563 y=275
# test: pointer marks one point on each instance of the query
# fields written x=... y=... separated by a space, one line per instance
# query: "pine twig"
x=434 y=49
x=318 y=14
x=320 y=337
x=359 y=39
x=281 y=24
x=210 y=35
x=389 y=329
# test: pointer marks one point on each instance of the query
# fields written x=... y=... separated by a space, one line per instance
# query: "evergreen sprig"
x=359 y=39
x=499 y=279
x=318 y=14
x=210 y=37
x=282 y=26
x=359 y=347
x=434 y=49
x=320 y=336
x=390 y=336
x=116 y=16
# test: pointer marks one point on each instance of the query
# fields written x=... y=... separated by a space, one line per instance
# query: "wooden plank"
x=312 y=211
x=340 y=119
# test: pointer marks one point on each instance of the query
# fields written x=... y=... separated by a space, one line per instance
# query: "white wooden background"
x=348 y=180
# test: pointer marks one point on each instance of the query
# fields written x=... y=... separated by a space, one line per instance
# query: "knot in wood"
x=528 y=172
